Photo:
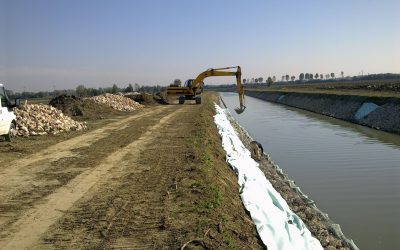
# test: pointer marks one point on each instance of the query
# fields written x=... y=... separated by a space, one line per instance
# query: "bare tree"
x=321 y=76
x=327 y=76
x=301 y=76
x=316 y=76
x=333 y=75
x=293 y=78
x=244 y=80
x=274 y=78
x=287 y=77
x=307 y=76
x=342 y=73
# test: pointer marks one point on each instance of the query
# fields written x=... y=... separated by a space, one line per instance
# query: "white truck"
x=8 y=120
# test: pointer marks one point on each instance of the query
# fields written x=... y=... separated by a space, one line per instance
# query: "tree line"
x=287 y=78
x=310 y=77
x=83 y=91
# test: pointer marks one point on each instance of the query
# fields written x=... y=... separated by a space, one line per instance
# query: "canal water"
x=351 y=171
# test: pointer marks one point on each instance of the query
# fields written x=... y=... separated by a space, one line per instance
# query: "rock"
x=117 y=102
x=39 y=119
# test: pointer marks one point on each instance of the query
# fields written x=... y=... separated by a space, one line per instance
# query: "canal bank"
x=350 y=171
x=380 y=113
x=328 y=233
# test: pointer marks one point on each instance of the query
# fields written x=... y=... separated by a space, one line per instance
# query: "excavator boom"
x=194 y=87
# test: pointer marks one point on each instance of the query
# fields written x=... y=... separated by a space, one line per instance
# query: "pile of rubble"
x=39 y=119
x=117 y=102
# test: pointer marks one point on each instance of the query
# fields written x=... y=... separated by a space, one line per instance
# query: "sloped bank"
x=320 y=225
x=376 y=112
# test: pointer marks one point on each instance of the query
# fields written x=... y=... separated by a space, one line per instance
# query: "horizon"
x=60 y=45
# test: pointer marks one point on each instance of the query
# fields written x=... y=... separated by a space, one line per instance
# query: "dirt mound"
x=116 y=102
x=142 y=98
x=81 y=108
x=39 y=119
x=68 y=104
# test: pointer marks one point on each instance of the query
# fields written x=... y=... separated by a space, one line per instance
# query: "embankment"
x=381 y=113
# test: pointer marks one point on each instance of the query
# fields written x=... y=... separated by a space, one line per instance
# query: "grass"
x=207 y=195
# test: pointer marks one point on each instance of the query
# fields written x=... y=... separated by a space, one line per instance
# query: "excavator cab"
x=189 y=83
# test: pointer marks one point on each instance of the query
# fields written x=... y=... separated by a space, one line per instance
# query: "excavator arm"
x=198 y=82
x=195 y=87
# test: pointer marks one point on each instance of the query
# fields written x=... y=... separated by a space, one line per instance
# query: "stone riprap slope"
x=385 y=116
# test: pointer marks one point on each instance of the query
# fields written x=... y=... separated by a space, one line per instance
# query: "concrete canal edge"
x=380 y=113
x=321 y=226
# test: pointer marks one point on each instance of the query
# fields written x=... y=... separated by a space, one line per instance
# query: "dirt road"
x=142 y=181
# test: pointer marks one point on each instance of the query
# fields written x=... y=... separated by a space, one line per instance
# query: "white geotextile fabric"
x=277 y=225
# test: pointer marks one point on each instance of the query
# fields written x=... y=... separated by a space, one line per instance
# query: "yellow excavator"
x=194 y=87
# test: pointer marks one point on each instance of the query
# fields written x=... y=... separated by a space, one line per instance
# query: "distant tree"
x=177 y=82
x=81 y=90
x=342 y=73
x=301 y=77
x=256 y=80
x=269 y=81
x=274 y=78
x=316 y=76
x=137 y=86
x=260 y=79
x=327 y=76
x=283 y=78
x=333 y=75
x=114 y=89
x=129 y=88
x=252 y=80
x=293 y=78
x=311 y=76
x=92 y=92
x=307 y=76
x=321 y=76
x=244 y=80
x=287 y=77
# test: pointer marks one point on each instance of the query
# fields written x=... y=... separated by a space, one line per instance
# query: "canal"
x=351 y=171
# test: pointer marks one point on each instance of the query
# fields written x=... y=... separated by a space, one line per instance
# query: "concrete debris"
x=117 y=102
x=40 y=119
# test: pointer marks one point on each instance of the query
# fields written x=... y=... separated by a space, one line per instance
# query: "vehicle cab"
x=8 y=121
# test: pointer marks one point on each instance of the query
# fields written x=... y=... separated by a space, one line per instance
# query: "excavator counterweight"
x=194 y=87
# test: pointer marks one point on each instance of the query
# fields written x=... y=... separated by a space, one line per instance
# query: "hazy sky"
x=60 y=44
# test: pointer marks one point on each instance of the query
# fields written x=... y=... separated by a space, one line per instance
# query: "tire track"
x=28 y=229
x=21 y=173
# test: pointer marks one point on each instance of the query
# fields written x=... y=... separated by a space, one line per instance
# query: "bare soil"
x=150 y=179
x=371 y=88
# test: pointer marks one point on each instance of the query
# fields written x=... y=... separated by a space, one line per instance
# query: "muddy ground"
x=154 y=178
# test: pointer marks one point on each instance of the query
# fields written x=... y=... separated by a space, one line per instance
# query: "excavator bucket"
x=240 y=110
